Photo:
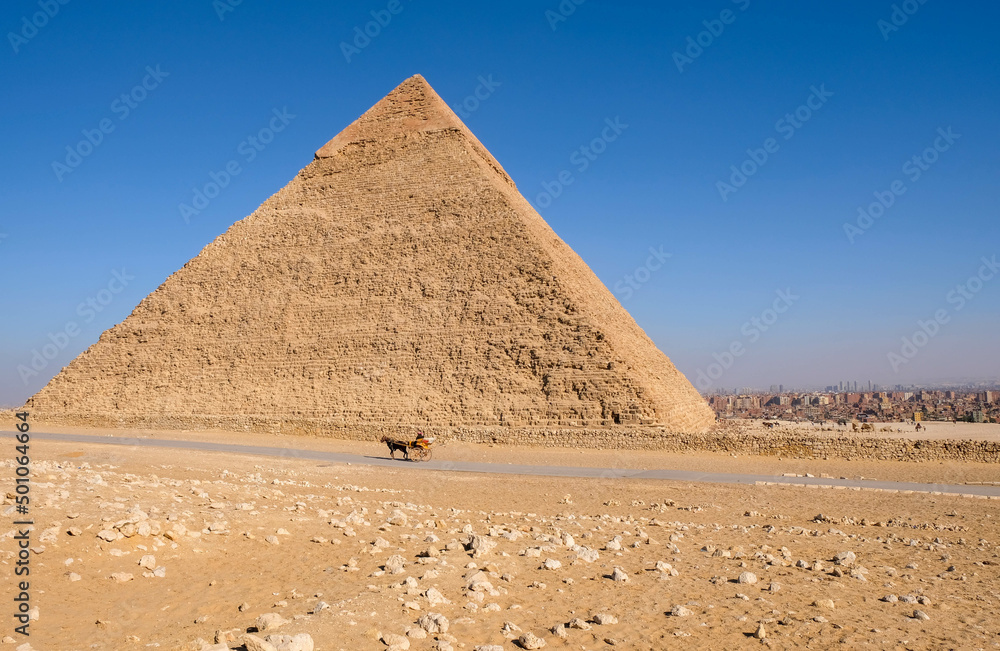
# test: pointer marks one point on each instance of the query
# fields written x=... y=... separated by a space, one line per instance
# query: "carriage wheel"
x=424 y=454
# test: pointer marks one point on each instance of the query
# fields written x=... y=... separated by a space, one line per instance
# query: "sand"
x=325 y=518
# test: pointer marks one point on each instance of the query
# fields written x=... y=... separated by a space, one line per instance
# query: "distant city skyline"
x=868 y=386
x=897 y=405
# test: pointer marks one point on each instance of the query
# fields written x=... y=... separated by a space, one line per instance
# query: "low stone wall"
x=726 y=438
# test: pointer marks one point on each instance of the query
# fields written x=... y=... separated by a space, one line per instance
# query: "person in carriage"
x=422 y=441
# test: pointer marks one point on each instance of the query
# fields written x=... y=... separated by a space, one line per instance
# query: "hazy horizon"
x=753 y=200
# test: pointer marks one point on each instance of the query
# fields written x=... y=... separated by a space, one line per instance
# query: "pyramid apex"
x=413 y=106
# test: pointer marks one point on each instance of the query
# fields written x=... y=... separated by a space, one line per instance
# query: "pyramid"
x=399 y=280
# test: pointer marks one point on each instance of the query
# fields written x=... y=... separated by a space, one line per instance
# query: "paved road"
x=511 y=469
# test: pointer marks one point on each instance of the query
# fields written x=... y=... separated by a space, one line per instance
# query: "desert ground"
x=140 y=548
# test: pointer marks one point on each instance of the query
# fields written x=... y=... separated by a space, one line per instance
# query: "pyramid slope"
x=399 y=279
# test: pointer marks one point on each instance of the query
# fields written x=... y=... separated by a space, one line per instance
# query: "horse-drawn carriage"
x=420 y=447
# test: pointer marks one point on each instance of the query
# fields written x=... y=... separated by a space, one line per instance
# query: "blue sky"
x=107 y=227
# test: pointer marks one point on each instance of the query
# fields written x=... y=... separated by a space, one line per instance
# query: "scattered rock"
x=300 y=642
x=254 y=643
x=681 y=611
x=108 y=535
x=530 y=641
x=395 y=642
x=433 y=623
x=269 y=622
x=434 y=597
x=480 y=545
x=510 y=629
x=747 y=577
x=395 y=564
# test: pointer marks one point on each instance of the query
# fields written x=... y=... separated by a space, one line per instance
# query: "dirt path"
x=530 y=469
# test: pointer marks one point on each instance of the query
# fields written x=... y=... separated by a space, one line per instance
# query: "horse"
x=395 y=445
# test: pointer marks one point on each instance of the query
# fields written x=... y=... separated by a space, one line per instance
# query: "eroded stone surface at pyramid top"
x=400 y=279
x=411 y=110
x=413 y=106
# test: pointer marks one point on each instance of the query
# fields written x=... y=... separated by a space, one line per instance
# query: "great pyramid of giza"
x=399 y=280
